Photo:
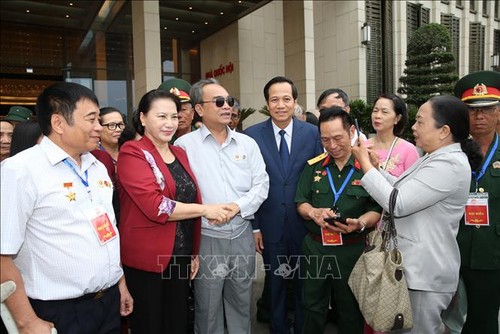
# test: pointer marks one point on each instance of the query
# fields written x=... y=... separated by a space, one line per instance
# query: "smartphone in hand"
x=357 y=126
x=338 y=218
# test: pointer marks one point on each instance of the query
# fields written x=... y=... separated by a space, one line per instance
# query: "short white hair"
x=299 y=111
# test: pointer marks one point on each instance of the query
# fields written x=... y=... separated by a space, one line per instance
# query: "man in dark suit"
x=286 y=144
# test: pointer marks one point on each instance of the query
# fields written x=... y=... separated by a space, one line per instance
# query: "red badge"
x=356 y=182
x=326 y=161
x=357 y=165
x=103 y=228
x=331 y=238
x=476 y=214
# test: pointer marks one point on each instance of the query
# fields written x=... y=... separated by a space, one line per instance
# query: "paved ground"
x=258 y=285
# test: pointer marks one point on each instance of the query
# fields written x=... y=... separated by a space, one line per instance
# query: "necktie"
x=284 y=154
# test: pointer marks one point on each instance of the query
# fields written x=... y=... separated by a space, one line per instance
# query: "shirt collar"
x=205 y=132
x=349 y=162
x=56 y=154
x=447 y=148
x=288 y=129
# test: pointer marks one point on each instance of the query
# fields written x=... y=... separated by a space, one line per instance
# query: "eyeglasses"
x=219 y=101
x=484 y=110
x=113 y=126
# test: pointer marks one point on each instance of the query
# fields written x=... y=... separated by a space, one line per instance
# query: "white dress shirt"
x=45 y=227
x=232 y=172
x=288 y=135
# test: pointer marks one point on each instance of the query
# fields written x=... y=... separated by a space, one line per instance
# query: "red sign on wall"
x=221 y=70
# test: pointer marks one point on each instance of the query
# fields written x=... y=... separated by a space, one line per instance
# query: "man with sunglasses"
x=479 y=239
x=229 y=168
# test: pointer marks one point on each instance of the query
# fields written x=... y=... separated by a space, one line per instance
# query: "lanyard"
x=486 y=163
x=85 y=181
x=336 y=193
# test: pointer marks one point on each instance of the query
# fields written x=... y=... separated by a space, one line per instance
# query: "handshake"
x=219 y=214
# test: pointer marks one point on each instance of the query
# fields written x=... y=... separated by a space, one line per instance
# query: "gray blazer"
x=431 y=201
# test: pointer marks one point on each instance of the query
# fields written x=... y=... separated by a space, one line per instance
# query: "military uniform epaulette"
x=317 y=158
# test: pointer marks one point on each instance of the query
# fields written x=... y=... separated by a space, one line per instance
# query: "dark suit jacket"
x=278 y=214
x=146 y=237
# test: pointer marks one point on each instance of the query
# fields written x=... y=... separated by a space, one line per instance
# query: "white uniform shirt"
x=44 y=223
x=232 y=172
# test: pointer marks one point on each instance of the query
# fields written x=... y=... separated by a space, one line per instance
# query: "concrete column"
x=400 y=44
x=147 y=46
x=298 y=23
x=100 y=55
x=100 y=62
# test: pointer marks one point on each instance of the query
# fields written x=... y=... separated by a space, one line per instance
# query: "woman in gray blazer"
x=430 y=203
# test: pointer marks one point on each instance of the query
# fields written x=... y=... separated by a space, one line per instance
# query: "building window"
x=379 y=53
x=180 y=59
x=476 y=47
x=417 y=16
x=459 y=4
x=453 y=24
x=446 y=2
x=472 y=5
x=497 y=9
x=496 y=46
x=485 y=8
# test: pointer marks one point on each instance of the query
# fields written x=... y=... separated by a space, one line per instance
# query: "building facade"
x=129 y=47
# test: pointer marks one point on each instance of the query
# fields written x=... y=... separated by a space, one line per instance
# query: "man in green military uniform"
x=479 y=239
x=330 y=185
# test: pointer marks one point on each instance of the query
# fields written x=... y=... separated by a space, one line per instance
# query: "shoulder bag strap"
x=390 y=153
x=392 y=225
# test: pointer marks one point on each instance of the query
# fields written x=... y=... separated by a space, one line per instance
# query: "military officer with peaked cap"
x=479 y=236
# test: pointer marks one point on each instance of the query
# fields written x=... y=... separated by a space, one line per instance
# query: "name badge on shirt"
x=331 y=238
x=103 y=228
x=476 y=210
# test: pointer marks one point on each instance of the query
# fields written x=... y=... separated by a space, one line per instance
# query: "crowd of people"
x=110 y=224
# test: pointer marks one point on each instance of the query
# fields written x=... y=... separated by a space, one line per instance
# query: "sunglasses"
x=219 y=101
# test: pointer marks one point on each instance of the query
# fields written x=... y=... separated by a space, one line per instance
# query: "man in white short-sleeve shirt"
x=59 y=241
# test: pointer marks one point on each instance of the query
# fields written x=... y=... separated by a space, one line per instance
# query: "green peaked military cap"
x=19 y=114
x=178 y=87
x=479 y=89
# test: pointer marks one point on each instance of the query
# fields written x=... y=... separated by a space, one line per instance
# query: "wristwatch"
x=363 y=226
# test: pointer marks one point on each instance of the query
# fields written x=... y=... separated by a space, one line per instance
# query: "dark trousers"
x=325 y=268
x=160 y=299
x=483 y=300
x=86 y=315
x=283 y=262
